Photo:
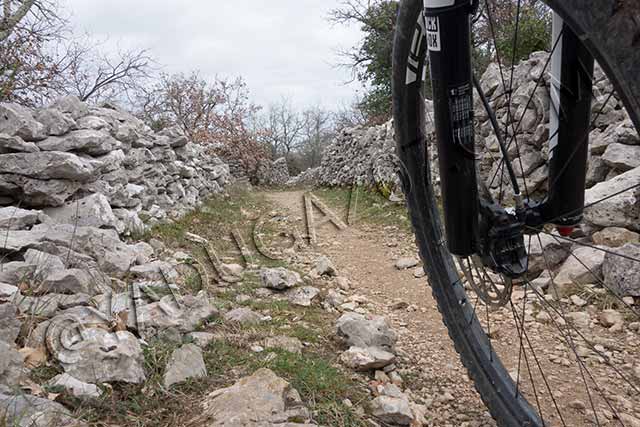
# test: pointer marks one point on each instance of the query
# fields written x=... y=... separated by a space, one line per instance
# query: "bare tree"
x=95 y=75
x=350 y=115
x=29 y=62
x=283 y=130
x=15 y=11
x=317 y=135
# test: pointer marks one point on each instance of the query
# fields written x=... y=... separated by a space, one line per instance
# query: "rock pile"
x=74 y=180
x=273 y=173
x=54 y=156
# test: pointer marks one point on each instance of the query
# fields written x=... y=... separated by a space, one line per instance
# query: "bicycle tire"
x=491 y=379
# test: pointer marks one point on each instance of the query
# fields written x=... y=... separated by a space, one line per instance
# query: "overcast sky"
x=280 y=47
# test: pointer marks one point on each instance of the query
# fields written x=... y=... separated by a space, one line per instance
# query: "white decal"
x=439 y=3
x=433 y=33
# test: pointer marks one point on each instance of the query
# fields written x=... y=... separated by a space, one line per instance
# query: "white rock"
x=76 y=387
x=366 y=359
x=186 y=362
x=405 y=263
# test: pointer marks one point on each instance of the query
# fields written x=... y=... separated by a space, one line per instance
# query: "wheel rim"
x=589 y=358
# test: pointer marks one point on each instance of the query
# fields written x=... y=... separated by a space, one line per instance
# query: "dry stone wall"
x=53 y=157
x=76 y=180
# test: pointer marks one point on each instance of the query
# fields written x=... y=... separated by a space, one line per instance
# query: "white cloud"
x=280 y=47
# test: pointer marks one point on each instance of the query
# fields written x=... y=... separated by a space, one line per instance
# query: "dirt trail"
x=366 y=255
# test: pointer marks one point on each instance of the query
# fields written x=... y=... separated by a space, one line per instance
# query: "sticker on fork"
x=433 y=33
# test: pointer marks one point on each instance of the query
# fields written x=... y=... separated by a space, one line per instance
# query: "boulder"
x=406 y=263
x=6 y=292
x=622 y=157
x=324 y=267
x=71 y=105
x=583 y=267
x=185 y=314
x=261 y=399
x=370 y=331
x=11 y=363
x=48 y=305
x=303 y=296
x=49 y=165
x=392 y=410
x=113 y=256
x=29 y=411
x=15 y=218
x=278 y=278
x=185 y=362
x=74 y=281
x=621 y=210
x=290 y=344
x=38 y=192
x=547 y=251
x=622 y=275
x=18 y=120
x=90 y=211
x=243 y=315
x=366 y=359
x=74 y=387
x=55 y=122
x=89 y=141
x=101 y=356
x=615 y=237
x=201 y=339
x=15 y=144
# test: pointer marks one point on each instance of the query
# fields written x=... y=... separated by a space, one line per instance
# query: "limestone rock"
x=14 y=218
x=622 y=157
x=18 y=120
x=392 y=410
x=76 y=387
x=406 y=263
x=49 y=165
x=278 y=278
x=290 y=344
x=184 y=314
x=614 y=237
x=10 y=364
x=92 y=142
x=15 y=144
x=201 y=339
x=622 y=210
x=102 y=356
x=258 y=400
x=186 y=362
x=74 y=281
x=366 y=359
x=243 y=315
x=71 y=105
x=303 y=296
x=90 y=211
x=371 y=331
x=55 y=122
x=324 y=267
x=583 y=267
x=30 y=411
x=622 y=275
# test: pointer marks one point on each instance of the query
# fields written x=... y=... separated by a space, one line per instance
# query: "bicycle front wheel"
x=567 y=348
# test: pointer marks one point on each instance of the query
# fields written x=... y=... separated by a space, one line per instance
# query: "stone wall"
x=273 y=173
x=366 y=156
x=74 y=181
x=52 y=157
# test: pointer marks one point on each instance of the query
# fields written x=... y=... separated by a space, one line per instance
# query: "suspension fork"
x=448 y=24
x=570 y=115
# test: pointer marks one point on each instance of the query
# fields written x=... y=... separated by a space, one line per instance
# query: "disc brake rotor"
x=483 y=284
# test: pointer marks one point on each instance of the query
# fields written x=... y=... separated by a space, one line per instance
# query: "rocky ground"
x=138 y=287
